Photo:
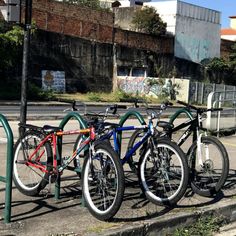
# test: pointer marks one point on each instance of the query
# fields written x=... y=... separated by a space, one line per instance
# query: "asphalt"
x=45 y=215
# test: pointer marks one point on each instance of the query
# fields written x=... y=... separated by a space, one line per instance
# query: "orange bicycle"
x=37 y=160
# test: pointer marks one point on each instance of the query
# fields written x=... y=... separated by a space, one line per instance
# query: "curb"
x=160 y=227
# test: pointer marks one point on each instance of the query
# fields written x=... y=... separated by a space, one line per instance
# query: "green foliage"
x=204 y=226
x=168 y=89
x=11 y=40
x=222 y=70
x=94 y=97
x=95 y=4
x=11 y=90
x=36 y=93
x=147 y=20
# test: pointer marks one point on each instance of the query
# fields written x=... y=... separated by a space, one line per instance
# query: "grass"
x=116 y=96
x=206 y=226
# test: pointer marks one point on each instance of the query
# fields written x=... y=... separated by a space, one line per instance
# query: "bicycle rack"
x=178 y=112
x=124 y=118
x=65 y=120
x=9 y=168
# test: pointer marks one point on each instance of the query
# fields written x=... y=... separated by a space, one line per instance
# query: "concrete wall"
x=123 y=17
x=197 y=34
x=88 y=66
x=196 y=29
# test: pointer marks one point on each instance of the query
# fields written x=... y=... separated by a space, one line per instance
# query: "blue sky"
x=226 y=7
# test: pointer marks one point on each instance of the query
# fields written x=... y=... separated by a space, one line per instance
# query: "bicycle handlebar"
x=115 y=107
x=200 y=110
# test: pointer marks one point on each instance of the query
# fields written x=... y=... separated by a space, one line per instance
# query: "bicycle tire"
x=215 y=168
x=103 y=182
x=163 y=172
x=30 y=180
x=133 y=161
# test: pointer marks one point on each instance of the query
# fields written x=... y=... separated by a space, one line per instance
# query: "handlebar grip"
x=215 y=109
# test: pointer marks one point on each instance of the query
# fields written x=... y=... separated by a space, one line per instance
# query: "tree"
x=218 y=69
x=11 y=40
x=222 y=70
x=147 y=20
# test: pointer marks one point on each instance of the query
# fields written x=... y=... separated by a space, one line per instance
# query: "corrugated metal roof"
x=197 y=12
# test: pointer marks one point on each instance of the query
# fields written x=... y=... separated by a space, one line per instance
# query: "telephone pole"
x=26 y=48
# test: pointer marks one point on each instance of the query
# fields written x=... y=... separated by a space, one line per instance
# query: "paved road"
x=59 y=110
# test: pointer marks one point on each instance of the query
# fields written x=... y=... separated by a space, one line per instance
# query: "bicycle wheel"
x=208 y=173
x=133 y=161
x=103 y=182
x=29 y=179
x=164 y=172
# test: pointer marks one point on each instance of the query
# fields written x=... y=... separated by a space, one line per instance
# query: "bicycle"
x=163 y=169
x=207 y=156
x=37 y=162
x=207 y=175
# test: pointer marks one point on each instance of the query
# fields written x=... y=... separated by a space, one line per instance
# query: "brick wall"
x=93 y=25
x=163 y=45
x=73 y=20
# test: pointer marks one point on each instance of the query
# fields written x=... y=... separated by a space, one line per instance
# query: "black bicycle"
x=207 y=157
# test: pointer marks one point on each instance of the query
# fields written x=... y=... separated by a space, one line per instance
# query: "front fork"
x=200 y=149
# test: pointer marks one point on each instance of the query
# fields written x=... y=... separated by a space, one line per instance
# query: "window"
x=123 y=71
x=138 y=72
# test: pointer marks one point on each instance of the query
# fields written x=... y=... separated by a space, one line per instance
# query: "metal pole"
x=27 y=31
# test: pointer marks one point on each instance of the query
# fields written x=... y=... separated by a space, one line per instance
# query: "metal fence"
x=225 y=119
x=199 y=92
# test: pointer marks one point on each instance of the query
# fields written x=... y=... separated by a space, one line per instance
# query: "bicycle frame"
x=113 y=133
x=194 y=124
x=52 y=138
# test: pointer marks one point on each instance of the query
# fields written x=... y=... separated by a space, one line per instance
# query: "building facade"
x=196 y=29
x=230 y=33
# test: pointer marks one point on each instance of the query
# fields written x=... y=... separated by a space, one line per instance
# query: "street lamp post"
x=27 y=32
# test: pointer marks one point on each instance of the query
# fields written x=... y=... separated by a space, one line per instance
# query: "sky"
x=226 y=7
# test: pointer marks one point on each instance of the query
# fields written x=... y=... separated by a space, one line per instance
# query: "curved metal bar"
x=83 y=125
x=123 y=119
x=9 y=168
x=132 y=113
x=180 y=111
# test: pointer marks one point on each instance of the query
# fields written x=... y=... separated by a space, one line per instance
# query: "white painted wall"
x=167 y=11
x=196 y=29
x=229 y=37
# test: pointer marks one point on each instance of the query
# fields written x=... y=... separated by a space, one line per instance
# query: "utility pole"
x=26 y=47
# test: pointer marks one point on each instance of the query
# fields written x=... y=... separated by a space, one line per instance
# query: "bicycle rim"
x=102 y=184
x=164 y=173
x=29 y=179
x=209 y=166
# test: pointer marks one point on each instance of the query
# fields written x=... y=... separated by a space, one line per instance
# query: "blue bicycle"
x=162 y=166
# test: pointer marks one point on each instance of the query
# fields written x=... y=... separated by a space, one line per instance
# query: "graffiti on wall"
x=138 y=85
x=53 y=80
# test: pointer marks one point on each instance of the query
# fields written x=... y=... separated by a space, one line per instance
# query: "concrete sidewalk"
x=44 y=215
